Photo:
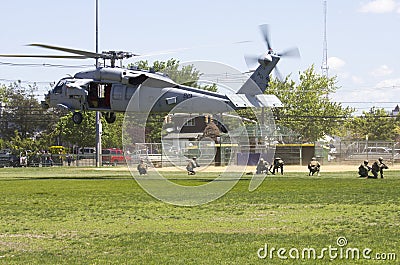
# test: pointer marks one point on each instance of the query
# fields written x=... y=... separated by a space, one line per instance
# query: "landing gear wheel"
x=77 y=117
x=110 y=117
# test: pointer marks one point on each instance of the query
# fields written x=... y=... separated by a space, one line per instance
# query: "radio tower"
x=324 y=66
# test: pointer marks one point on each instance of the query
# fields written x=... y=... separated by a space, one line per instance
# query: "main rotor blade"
x=278 y=74
x=80 y=52
x=251 y=61
x=265 y=32
x=43 y=56
x=293 y=52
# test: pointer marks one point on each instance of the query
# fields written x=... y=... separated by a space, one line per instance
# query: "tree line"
x=307 y=110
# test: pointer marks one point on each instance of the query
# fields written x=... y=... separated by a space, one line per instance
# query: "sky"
x=362 y=35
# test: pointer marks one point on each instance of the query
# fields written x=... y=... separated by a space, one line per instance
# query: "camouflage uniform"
x=262 y=166
x=378 y=166
x=363 y=169
x=192 y=164
x=314 y=166
x=142 y=168
x=278 y=164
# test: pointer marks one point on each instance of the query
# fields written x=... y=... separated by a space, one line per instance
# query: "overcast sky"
x=363 y=39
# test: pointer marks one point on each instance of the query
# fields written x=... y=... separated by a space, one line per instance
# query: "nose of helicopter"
x=46 y=102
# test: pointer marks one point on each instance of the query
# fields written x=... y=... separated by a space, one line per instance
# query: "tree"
x=307 y=108
x=211 y=131
x=68 y=133
x=376 y=123
x=20 y=111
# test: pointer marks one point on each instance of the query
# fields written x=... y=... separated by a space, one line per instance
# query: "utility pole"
x=324 y=66
x=99 y=129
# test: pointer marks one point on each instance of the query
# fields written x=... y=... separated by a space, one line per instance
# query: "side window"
x=117 y=92
x=130 y=90
x=190 y=122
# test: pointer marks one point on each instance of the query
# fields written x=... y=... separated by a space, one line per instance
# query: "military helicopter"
x=110 y=89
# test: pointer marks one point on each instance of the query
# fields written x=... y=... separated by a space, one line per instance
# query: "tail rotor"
x=252 y=60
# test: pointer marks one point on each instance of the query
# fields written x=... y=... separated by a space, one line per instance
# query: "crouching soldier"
x=192 y=164
x=378 y=166
x=314 y=167
x=278 y=164
x=142 y=167
x=262 y=167
x=363 y=169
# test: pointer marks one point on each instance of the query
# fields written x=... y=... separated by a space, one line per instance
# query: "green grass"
x=89 y=216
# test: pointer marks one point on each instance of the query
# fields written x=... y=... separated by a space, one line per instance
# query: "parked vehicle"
x=374 y=152
x=113 y=156
x=377 y=150
x=57 y=153
x=86 y=152
x=8 y=158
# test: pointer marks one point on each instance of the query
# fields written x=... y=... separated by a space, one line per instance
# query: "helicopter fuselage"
x=120 y=90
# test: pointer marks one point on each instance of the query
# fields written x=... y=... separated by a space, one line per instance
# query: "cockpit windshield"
x=58 y=88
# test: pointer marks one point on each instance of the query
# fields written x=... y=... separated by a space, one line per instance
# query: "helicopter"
x=109 y=89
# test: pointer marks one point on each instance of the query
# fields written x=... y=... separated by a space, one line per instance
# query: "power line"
x=25 y=81
x=43 y=65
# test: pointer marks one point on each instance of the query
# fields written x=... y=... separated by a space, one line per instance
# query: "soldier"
x=192 y=164
x=278 y=164
x=262 y=166
x=378 y=166
x=314 y=167
x=69 y=159
x=142 y=167
x=363 y=169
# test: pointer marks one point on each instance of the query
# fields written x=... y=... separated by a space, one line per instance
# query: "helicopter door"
x=99 y=95
x=118 y=101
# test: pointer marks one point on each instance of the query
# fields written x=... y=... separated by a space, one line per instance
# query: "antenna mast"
x=99 y=126
x=324 y=66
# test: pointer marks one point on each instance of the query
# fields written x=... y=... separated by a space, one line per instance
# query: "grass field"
x=89 y=216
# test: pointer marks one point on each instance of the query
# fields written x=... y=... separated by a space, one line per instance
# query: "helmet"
x=365 y=161
x=313 y=158
x=380 y=158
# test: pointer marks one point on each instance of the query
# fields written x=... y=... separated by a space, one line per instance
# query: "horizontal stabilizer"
x=254 y=101
x=271 y=101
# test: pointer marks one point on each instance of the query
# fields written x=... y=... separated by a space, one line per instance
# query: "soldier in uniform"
x=278 y=164
x=142 y=167
x=262 y=166
x=363 y=169
x=378 y=166
x=192 y=164
x=314 y=167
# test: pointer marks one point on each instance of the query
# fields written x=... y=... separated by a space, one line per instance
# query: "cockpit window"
x=58 y=88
